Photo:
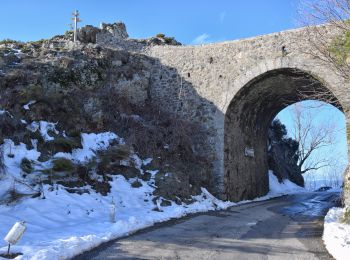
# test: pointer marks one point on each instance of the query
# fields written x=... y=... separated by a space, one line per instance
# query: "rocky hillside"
x=283 y=158
x=53 y=91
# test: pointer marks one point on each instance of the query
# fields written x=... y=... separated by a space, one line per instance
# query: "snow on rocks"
x=44 y=127
x=336 y=235
x=91 y=143
x=26 y=106
x=13 y=155
x=137 y=161
x=147 y=161
x=218 y=203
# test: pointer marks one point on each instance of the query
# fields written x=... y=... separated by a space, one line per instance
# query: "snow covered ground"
x=287 y=187
x=336 y=235
x=65 y=224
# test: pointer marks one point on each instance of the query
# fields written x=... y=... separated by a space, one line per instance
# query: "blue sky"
x=186 y=20
x=189 y=21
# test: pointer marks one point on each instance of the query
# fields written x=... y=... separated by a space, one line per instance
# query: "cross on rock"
x=76 y=20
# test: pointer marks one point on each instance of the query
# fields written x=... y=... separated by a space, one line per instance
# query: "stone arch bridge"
x=235 y=89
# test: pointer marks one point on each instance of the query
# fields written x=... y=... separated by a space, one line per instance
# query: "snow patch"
x=44 y=127
x=336 y=235
x=13 y=155
x=218 y=203
x=26 y=106
x=286 y=187
x=12 y=158
x=147 y=161
x=91 y=143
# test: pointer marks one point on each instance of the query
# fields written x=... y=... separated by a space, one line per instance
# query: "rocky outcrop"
x=159 y=39
x=117 y=29
x=86 y=87
x=115 y=35
x=282 y=155
x=87 y=34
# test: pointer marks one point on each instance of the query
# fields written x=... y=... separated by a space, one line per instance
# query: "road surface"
x=288 y=227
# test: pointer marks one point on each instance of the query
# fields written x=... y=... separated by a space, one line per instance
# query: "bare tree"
x=323 y=18
x=334 y=52
x=311 y=137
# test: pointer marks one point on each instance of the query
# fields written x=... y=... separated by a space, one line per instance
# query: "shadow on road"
x=289 y=226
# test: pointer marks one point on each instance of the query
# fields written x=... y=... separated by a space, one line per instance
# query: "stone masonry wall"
x=199 y=82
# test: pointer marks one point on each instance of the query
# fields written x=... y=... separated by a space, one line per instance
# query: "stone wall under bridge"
x=234 y=89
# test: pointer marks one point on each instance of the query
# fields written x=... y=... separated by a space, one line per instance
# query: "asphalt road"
x=288 y=227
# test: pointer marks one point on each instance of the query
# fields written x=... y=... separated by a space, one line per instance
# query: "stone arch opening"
x=330 y=155
x=247 y=120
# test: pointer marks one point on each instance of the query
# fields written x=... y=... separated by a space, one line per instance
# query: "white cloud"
x=201 y=39
x=222 y=17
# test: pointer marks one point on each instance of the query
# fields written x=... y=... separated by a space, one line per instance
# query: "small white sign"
x=249 y=152
x=15 y=233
